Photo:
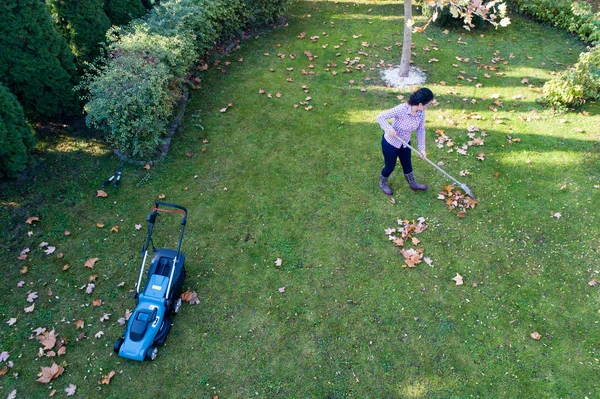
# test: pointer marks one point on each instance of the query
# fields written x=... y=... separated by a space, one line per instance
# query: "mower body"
x=160 y=299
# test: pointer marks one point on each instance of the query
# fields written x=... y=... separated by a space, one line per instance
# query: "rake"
x=463 y=186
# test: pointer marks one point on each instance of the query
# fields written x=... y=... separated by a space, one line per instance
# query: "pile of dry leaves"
x=456 y=199
x=405 y=235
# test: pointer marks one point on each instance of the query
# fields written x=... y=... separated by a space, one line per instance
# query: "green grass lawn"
x=277 y=181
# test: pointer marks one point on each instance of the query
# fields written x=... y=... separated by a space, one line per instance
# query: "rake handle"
x=430 y=162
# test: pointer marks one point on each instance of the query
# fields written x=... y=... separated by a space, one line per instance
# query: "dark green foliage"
x=16 y=136
x=36 y=63
x=83 y=23
x=574 y=16
x=120 y=12
x=266 y=11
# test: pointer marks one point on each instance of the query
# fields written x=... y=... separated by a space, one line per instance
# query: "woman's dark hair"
x=421 y=96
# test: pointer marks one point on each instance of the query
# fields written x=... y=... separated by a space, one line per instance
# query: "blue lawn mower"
x=160 y=299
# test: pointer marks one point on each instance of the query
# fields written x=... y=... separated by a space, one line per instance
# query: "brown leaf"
x=101 y=193
x=61 y=351
x=97 y=302
x=161 y=196
x=48 y=340
x=106 y=379
x=458 y=279
x=91 y=262
x=536 y=335
x=79 y=324
x=32 y=219
x=147 y=166
x=114 y=229
x=49 y=373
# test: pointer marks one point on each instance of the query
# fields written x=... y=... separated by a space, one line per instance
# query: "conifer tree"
x=36 y=63
x=83 y=23
x=16 y=136
x=120 y=12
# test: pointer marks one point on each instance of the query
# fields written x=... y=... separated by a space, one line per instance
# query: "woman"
x=405 y=118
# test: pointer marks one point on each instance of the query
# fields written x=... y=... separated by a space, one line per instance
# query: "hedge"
x=574 y=16
x=16 y=136
x=131 y=97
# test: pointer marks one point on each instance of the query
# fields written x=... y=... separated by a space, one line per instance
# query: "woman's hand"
x=423 y=154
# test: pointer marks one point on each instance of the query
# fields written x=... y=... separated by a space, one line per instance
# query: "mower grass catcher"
x=150 y=323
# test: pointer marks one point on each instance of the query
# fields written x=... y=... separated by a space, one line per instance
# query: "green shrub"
x=150 y=59
x=575 y=86
x=574 y=16
x=131 y=100
x=36 y=63
x=16 y=136
x=83 y=23
x=121 y=12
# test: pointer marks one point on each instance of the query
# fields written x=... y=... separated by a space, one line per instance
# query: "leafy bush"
x=36 y=63
x=574 y=16
x=16 y=136
x=83 y=23
x=445 y=19
x=131 y=100
x=132 y=97
x=575 y=86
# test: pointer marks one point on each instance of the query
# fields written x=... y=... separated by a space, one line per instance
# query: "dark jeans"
x=391 y=154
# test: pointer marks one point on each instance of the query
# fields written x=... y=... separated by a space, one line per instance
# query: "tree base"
x=392 y=78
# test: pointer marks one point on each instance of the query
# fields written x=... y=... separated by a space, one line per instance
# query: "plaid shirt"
x=403 y=123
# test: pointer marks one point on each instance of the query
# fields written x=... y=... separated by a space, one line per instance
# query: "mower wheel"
x=152 y=353
x=118 y=344
x=177 y=305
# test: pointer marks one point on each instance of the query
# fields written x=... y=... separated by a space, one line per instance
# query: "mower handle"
x=184 y=219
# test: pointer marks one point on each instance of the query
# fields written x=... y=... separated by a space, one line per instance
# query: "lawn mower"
x=150 y=323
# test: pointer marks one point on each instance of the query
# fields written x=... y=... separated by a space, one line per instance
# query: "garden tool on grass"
x=463 y=186
x=116 y=177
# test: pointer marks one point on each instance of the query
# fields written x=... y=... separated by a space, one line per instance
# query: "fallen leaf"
x=556 y=215
x=282 y=289
x=79 y=324
x=106 y=379
x=105 y=317
x=90 y=288
x=147 y=166
x=50 y=373
x=61 y=351
x=91 y=262
x=4 y=356
x=99 y=334
x=47 y=340
x=458 y=279
x=29 y=309
x=190 y=297
x=70 y=390
x=114 y=229
x=97 y=302
x=161 y=196
x=50 y=250
x=536 y=335
x=32 y=219
x=32 y=297
x=592 y=283
x=67 y=233
x=138 y=226
x=278 y=262
x=12 y=394
x=100 y=225
x=101 y=193
x=11 y=321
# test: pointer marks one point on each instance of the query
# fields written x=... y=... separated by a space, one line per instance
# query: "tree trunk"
x=407 y=42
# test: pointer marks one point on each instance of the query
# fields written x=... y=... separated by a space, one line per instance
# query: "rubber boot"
x=410 y=178
x=383 y=184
